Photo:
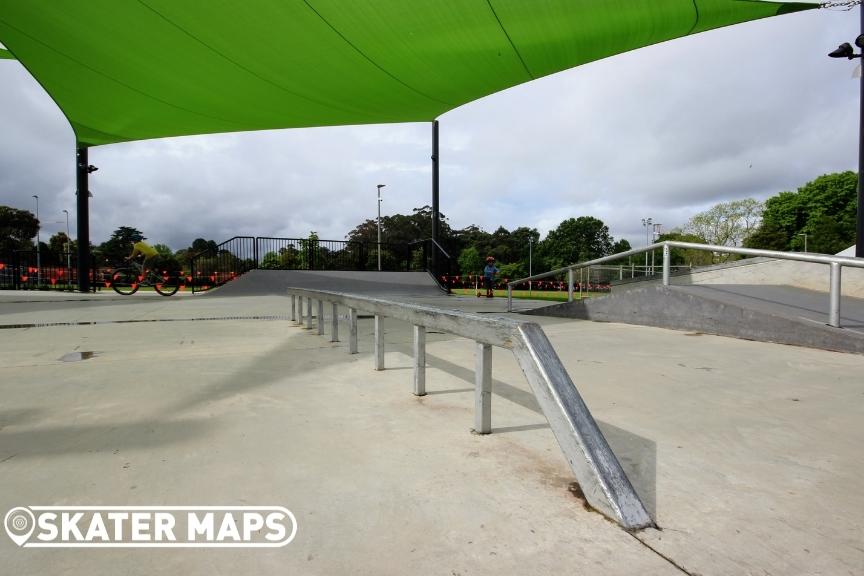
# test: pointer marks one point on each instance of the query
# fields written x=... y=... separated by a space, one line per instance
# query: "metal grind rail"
x=834 y=262
x=603 y=481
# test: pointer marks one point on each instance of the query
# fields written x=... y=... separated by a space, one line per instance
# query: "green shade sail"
x=136 y=69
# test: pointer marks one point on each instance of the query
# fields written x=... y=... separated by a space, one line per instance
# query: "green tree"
x=576 y=240
x=470 y=261
x=824 y=209
x=726 y=223
x=17 y=228
x=118 y=246
x=59 y=244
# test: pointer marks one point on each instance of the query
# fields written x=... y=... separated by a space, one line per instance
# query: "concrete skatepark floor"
x=746 y=453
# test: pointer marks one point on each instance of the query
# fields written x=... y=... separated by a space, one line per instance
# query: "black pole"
x=859 y=228
x=83 y=208
x=435 y=215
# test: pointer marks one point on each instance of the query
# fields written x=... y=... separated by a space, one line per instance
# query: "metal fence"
x=234 y=257
x=603 y=481
x=835 y=263
x=29 y=270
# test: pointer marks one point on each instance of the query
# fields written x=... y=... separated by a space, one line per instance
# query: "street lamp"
x=379 y=225
x=647 y=223
x=655 y=233
x=845 y=50
x=38 y=241
x=804 y=234
x=68 y=250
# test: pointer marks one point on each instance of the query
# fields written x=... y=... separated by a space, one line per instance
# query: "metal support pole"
x=834 y=315
x=419 y=360
x=667 y=257
x=509 y=298
x=483 y=389
x=320 y=320
x=436 y=217
x=859 y=227
x=570 y=285
x=621 y=272
x=334 y=322
x=581 y=283
x=308 y=313
x=293 y=308
x=352 y=331
x=379 y=342
x=83 y=215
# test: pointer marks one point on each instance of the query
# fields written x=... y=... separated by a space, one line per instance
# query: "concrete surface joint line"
x=597 y=470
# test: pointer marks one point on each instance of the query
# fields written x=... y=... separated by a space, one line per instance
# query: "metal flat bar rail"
x=600 y=476
x=835 y=263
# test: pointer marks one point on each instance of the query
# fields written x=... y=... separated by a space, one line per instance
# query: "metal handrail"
x=600 y=476
x=835 y=263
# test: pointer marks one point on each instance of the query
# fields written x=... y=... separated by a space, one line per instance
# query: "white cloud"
x=663 y=132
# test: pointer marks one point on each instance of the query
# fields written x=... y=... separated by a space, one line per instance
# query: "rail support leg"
x=300 y=306
x=419 y=360
x=379 y=342
x=293 y=308
x=667 y=257
x=334 y=322
x=352 y=331
x=308 y=313
x=834 y=318
x=320 y=321
x=483 y=389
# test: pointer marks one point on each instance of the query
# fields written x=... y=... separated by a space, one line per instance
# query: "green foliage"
x=59 y=244
x=727 y=223
x=118 y=246
x=684 y=257
x=824 y=209
x=512 y=271
x=470 y=261
x=17 y=228
x=576 y=240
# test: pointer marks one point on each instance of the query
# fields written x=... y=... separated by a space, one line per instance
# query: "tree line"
x=823 y=211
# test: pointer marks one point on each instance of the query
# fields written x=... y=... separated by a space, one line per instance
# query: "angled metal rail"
x=600 y=476
x=835 y=264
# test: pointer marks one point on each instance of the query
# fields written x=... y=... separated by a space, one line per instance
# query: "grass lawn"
x=553 y=295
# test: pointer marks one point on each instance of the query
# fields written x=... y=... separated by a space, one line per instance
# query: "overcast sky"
x=664 y=131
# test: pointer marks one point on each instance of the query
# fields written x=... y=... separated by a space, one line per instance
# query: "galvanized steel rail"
x=835 y=262
x=600 y=476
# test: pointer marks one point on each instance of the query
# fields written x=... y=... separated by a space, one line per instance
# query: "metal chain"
x=840 y=5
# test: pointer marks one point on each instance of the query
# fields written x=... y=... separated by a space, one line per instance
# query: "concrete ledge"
x=679 y=309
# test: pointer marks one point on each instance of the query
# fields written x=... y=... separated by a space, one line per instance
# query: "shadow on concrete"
x=82 y=439
x=638 y=458
x=637 y=455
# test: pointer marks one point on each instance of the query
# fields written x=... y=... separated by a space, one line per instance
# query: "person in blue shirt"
x=489 y=273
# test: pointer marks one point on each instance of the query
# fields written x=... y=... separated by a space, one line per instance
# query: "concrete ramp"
x=263 y=282
x=780 y=314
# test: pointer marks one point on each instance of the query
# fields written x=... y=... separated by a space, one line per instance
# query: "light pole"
x=38 y=241
x=647 y=222
x=804 y=234
x=530 y=268
x=655 y=233
x=845 y=50
x=379 y=225
x=68 y=250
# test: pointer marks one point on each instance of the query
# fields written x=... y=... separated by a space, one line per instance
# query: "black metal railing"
x=240 y=254
x=216 y=266
x=28 y=270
